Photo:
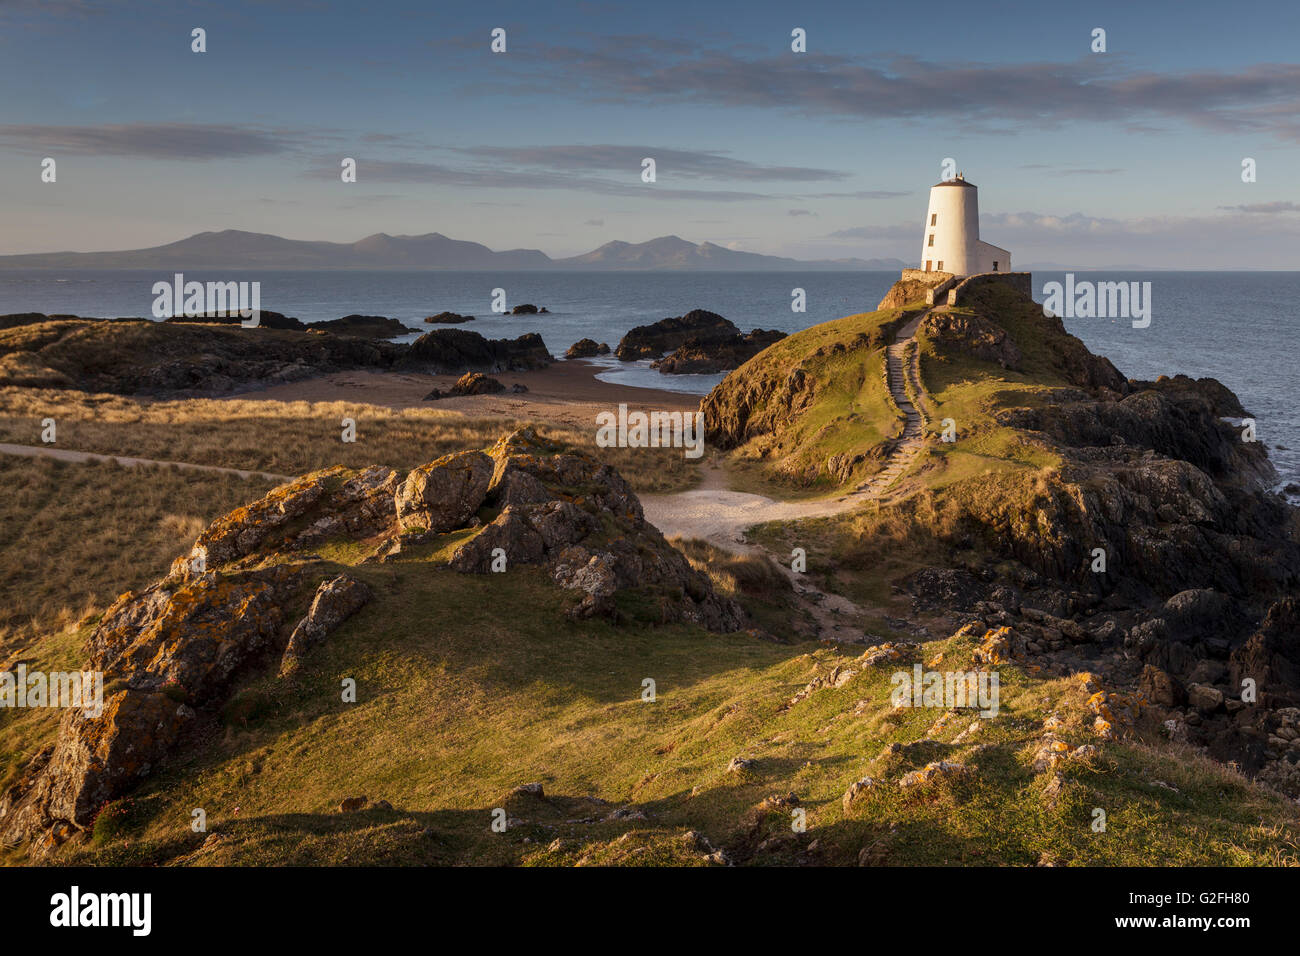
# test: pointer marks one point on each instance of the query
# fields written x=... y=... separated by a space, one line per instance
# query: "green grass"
x=810 y=453
x=471 y=685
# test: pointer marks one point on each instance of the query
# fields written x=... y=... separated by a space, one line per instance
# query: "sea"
x=1237 y=327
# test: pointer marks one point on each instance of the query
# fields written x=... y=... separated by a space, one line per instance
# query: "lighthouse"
x=952 y=233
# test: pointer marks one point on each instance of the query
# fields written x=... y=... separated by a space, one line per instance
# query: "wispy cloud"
x=415 y=173
x=149 y=140
x=1263 y=98
x=695 y=164
x=1264 y=207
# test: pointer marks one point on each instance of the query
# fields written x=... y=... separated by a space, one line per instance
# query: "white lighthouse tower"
x=952 y=233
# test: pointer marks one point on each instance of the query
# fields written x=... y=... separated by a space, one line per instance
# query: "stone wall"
x=939 y=292
x=929 y=278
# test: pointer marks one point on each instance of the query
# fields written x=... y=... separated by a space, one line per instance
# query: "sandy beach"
x=566 y=393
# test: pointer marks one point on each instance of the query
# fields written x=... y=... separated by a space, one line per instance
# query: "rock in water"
x=697 y=356
x=364 y=326
x=456 y=351
x=651 y=341
x=586 y=348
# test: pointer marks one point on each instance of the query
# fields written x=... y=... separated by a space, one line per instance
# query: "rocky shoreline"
x=1154 y=555
x=205 y=357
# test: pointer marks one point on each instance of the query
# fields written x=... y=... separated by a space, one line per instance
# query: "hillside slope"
x=1122 y=526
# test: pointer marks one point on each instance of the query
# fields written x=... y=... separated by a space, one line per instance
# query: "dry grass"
x=77 y=535
x=290 y=438
x=752 y=574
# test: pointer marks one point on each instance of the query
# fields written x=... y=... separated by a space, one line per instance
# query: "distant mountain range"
x=233 y=249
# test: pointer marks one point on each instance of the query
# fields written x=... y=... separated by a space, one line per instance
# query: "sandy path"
x=711 y=512
x=721 y=516
x=64 y=454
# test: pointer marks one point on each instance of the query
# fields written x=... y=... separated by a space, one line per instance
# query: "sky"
x=1132 y=156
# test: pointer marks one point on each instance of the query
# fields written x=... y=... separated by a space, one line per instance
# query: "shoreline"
x=564 y=393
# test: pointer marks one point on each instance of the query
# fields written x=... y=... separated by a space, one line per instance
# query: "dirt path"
x=711 y=511
x=721 y=516
x=63 y=454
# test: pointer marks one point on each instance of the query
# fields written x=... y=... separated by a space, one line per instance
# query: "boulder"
x=578 y=518
x=586 y=348
x=364 y=326
x=456 y=351
x=444 y=494
x=448 y=318
x=472 y=383
x=336 y=600
x=651 y=341
x=1205 y=699
x=698 y=356
x=1161 y=687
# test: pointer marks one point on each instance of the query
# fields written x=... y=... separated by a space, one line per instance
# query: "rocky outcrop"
x=166 y=652
x=471 y=383
x=971 y=335
x=336 y=600
x=141 y=357
x=528 y=309
x=250 y=598
x=266 y=319
x=652 y=341
x=698 y=356
x=365 y=326
x=455 y=351
x=586 y=348
x=579 y=519
x=204 y=356
x=448 y=318
x=444 y=495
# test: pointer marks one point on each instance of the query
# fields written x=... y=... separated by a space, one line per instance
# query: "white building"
x=952 y=233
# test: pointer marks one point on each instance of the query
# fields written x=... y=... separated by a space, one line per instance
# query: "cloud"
x=437 y=174
x=800 y=212
x=695 y=164
x=895 y=231
x=1259 y=99
x=1179 y=242
x=1265 y=207
x=148 y=141
x=594 y=222
x=859 y=194
x=1072 y=171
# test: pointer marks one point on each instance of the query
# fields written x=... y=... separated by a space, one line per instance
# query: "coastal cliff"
x=1120 y=525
